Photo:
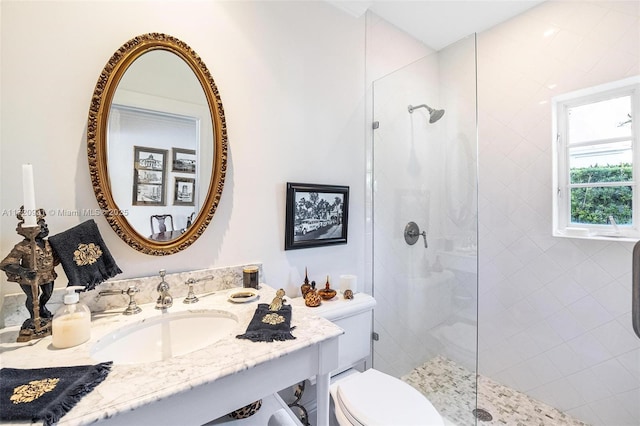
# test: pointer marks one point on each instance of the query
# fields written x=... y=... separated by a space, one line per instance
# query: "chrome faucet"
x=191 y=295
x=132 y=308
x=164 y=299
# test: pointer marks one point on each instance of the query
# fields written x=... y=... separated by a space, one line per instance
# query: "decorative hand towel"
x=267 y=325
x=84 y=255
x=46 y=394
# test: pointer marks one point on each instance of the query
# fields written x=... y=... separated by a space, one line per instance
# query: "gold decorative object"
x=33 y=390
x=312 y=299
x=348 y=294
x=277 y=301
x=305 y=287
x=87 y=254
x=31 y=264
x=97 y=152
x=327 y=293
x=273 y=319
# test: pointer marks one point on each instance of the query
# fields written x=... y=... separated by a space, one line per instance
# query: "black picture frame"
x=149 y=174
x=316 y=215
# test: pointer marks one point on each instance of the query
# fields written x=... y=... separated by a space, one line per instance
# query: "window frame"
x=561 y=195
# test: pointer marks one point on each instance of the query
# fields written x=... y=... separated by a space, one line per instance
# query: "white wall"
x=555 y=314
x=555 y=318
x=291 y=77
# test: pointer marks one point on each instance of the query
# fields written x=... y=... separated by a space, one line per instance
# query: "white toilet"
x=375 y=398
x=371 y=397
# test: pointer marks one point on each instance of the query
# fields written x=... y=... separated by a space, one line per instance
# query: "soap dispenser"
x=71 y=323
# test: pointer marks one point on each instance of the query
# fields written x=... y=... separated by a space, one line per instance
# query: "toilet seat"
x=375 y=398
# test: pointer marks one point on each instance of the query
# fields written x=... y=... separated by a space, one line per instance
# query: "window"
x=597 y=162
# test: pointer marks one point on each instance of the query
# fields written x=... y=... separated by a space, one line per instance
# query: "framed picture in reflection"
x=184 y=160
x=149 y=176
x=184 y=191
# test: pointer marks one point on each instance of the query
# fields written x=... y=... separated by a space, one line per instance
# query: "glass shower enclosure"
x=425 y=228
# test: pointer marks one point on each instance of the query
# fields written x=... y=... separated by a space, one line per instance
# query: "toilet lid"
x=374 y=398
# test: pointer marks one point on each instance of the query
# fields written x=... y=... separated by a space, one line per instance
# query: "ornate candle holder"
x=31 y=264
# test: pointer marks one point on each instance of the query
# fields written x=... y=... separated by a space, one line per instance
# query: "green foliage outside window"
x=594 y=205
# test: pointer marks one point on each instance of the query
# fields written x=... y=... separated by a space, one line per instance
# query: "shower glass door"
x=425 y=171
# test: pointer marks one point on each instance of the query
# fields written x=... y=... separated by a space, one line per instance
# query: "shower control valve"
x=412 y=233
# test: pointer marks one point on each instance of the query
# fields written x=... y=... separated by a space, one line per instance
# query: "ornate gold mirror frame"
x=97 y=141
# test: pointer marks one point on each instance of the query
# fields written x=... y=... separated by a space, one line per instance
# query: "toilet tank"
x=355 y=317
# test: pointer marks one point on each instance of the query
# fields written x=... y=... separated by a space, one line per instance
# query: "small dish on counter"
x=243 y=295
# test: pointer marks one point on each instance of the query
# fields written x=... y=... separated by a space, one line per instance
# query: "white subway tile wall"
x=554 y=313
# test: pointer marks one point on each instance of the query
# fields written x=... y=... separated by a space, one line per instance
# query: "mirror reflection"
x=157 y=144
x=159 y=135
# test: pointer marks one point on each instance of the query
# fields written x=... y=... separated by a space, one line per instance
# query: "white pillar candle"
x=29 y=196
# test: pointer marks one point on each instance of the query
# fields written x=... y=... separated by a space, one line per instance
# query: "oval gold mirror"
x=157 y=144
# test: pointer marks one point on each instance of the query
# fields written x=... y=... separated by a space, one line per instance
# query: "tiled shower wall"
x=406 y=158
x=554 y=314
x=425 y=172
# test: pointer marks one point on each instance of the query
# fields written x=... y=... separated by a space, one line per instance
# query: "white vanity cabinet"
x=271 y=405
x=210 y=400
x=198 y=387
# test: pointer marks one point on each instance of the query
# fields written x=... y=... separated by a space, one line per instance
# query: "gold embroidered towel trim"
x=46 y=394
x=84 y=256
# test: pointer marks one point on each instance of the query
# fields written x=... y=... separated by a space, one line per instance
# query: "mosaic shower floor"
x=451 y=389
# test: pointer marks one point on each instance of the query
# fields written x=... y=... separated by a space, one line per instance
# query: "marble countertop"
x=131 y=386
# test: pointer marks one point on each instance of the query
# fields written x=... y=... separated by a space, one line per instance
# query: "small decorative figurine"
x=312 y=299
x=305 y=287
x=327 y=293
x=31 y=264
x=348 y=294
x=276 y=303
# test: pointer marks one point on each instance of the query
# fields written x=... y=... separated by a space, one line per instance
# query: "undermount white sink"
x=165 y=336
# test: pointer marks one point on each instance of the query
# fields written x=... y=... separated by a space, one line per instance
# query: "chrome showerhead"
x=434 y=114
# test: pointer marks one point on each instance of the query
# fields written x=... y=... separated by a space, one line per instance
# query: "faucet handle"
x=133 y=307
x=191 y=296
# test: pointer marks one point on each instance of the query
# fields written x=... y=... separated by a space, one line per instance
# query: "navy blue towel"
x=84 y=255
x=46 y=394
x=267 y=325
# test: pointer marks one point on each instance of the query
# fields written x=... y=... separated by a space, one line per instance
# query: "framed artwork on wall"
x=149 y=176
x=316 y=215
x=184 y=160
x=183 y=194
